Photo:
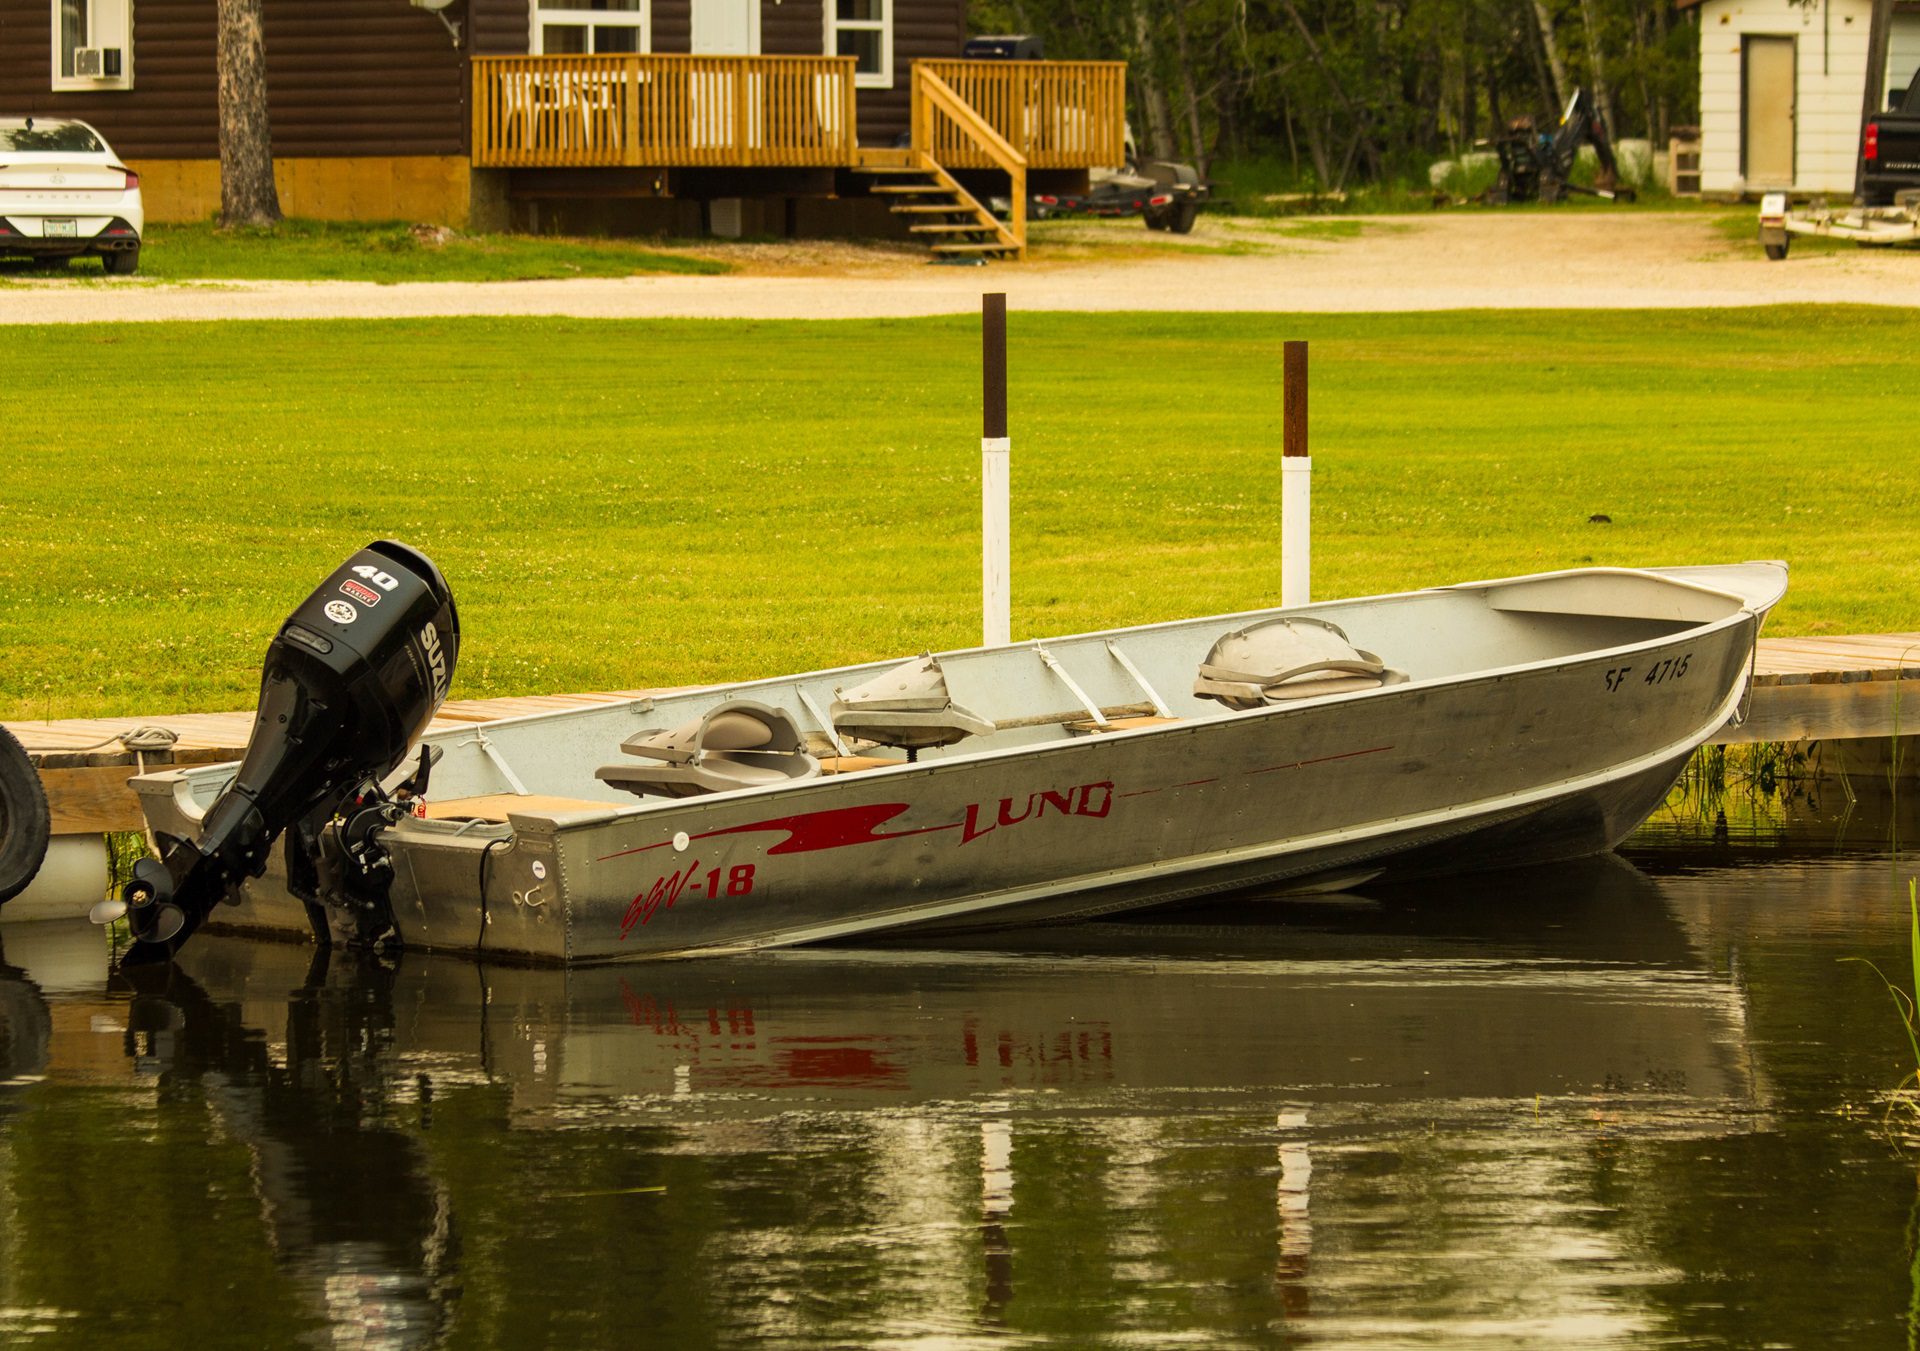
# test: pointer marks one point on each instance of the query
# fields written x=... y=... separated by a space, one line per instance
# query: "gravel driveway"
x=1523 y=259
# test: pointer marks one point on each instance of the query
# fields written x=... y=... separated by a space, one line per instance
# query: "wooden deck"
x=1805 y=689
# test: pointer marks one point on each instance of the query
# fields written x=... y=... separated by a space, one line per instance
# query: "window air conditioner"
x=98 y=63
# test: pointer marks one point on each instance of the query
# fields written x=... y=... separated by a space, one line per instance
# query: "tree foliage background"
x=1348 y=91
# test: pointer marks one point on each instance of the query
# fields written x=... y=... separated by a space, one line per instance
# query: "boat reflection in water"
x=846 y=1146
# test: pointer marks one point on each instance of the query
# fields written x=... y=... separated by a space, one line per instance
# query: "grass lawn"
x=304 y=250
x=624 y=504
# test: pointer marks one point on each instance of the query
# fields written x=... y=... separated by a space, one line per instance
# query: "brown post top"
x=993 y=365
x=1293 y=424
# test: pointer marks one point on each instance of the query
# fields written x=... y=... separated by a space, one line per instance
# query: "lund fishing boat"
x=1463 y=727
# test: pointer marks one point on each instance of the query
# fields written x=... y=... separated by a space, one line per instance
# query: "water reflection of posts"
x=1296 y=1229
x=996 y=1205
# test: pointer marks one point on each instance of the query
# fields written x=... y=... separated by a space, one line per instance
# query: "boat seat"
x=908 y=707
x=738 y=744
x=1283 y=660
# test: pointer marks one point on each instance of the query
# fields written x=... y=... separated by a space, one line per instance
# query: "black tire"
x=122 y=262
x=1156 y=221
x=1184 y=215
x=1775 y=251
x=23 y=819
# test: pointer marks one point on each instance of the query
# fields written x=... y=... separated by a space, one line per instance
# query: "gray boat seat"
x=738 y=744
x=1279 y=661
x=908 y=707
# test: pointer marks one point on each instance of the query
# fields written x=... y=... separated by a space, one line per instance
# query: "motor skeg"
x=350 y=681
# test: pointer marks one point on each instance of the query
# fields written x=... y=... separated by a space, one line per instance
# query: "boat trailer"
x=1869 y=225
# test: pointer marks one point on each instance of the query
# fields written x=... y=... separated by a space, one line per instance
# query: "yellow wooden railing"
x=1057 y=114
x=948 y=132
x=608 y=111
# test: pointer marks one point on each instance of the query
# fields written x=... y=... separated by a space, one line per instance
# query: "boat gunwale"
x=585 y=819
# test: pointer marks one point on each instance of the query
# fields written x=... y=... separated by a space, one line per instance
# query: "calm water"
x=1634 y=1102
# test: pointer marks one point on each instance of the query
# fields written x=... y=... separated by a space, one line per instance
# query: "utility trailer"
x=1870 y=225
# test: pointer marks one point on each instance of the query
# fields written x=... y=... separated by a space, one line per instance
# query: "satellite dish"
x=436 y=8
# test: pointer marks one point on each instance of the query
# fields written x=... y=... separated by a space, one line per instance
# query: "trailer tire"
x=23 y=818
x=1184 y=215
x=1777 y=252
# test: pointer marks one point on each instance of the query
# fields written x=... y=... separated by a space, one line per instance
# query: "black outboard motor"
x=351 y=680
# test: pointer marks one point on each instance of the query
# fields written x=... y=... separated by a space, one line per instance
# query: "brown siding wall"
x=345 y=77
x=500 y=27
x=922 y=29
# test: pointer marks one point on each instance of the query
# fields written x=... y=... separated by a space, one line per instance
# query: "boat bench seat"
x=1091 y=728
x=853 y=764
x=496 y=806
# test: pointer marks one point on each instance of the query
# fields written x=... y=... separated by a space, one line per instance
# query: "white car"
x=64 y=193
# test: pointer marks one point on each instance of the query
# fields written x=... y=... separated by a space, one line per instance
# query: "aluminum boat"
x=1463 y=727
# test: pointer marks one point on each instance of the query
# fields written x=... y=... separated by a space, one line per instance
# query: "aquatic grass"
x=1903 y=1100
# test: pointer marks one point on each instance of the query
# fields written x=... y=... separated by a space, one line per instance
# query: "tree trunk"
x=1663 y=110
x=1558 y=66
x=1188 y=93
x=1153 y=92
x=1549 y=97
x=1602 y=91
x=247 y=193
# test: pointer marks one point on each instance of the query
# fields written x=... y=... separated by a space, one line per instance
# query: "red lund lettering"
x=1089 y=799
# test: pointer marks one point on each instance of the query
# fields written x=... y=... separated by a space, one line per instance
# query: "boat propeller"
x=351 y=680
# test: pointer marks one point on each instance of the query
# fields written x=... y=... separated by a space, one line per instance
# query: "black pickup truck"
x=1890 y=147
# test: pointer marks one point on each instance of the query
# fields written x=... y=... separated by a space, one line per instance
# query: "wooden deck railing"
x=1057 y=114
x=607 y=111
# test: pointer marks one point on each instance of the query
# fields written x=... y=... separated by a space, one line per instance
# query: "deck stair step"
x=936 y=193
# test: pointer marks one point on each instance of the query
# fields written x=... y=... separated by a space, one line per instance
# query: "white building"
x=1780 y=89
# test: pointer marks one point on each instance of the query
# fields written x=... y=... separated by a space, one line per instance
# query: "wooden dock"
x=1804 y=689
x=84 y=765
x=1832 y=689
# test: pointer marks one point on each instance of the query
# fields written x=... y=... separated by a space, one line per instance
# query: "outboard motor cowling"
x=352 y=678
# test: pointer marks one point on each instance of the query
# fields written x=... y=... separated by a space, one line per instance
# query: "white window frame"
x=882 y=78
x=109 y=24
x=540 y=16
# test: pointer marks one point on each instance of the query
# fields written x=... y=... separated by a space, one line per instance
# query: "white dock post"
x=1296 y=481
x=996 y=521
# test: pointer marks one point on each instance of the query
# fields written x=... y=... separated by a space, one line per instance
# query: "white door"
x=1767 y=94
x=726 y=27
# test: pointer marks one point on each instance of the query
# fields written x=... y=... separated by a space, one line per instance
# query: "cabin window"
x=92 y=44
x=863 y=29
x=591 y=27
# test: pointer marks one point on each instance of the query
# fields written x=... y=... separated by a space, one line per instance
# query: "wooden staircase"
x=953 y=222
